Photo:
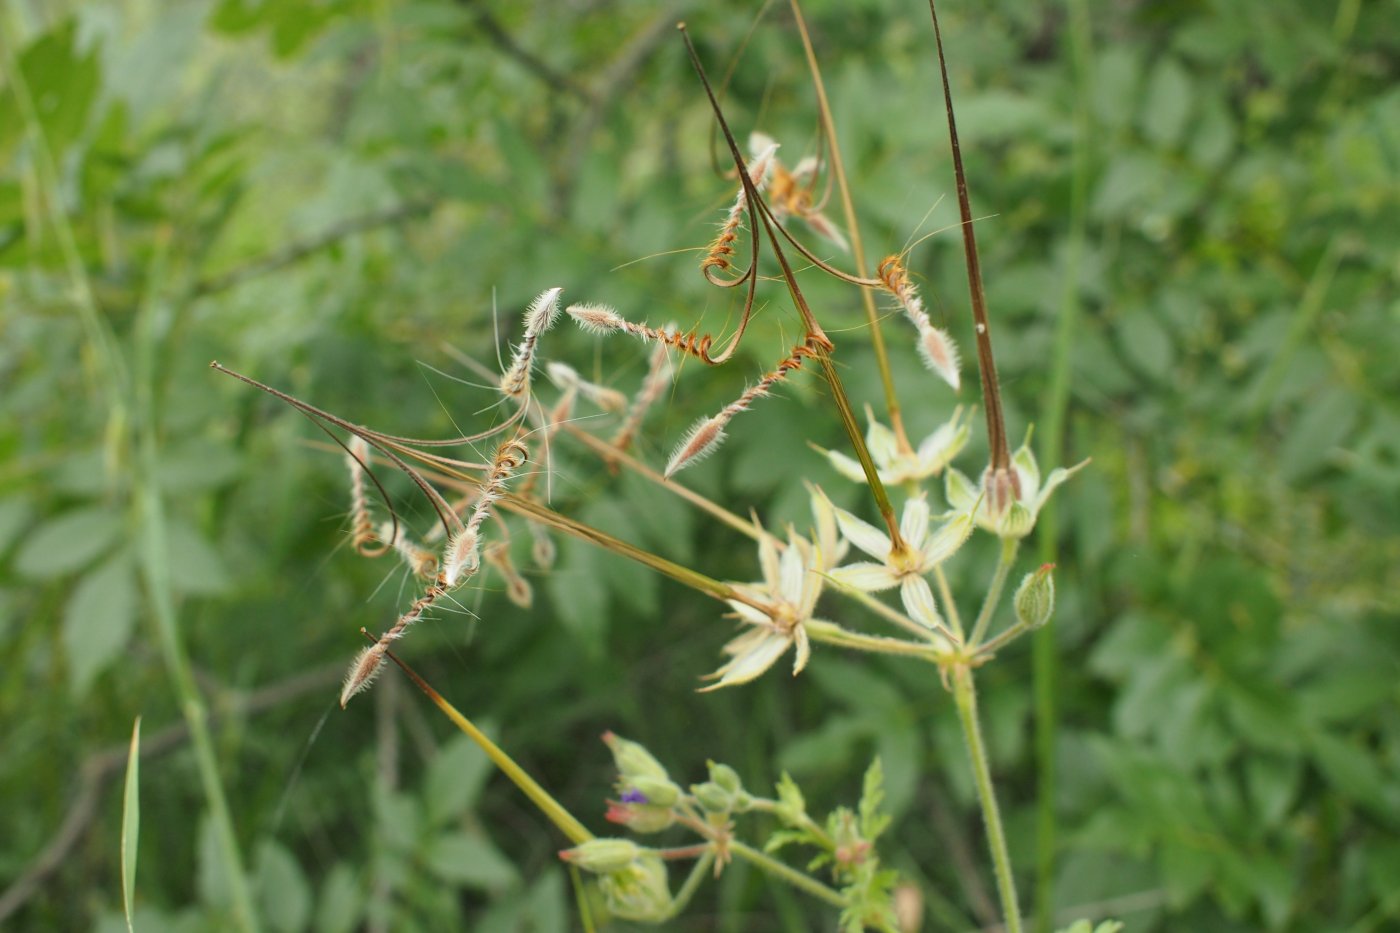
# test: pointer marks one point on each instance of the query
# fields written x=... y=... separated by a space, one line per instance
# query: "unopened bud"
x=638 y=892
x=712 y=797
x=726 y=777
x=632 y=760
x=1035 y=598
x=602 y=855
x=642 y=818
x=661 y=792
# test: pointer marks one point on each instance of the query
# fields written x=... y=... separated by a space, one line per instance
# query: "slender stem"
x=765 y=805
x=155 y=566
x=1043 y=656
x=950 y=607
x=848 y=210
x=999 y=641
x=611 y=453
x=833 y=634
x=1009 y=546
x=698 y=871
x=786 y=873
x=541 y=798
x=965 y=696
x=986 y=363
x=888 y=613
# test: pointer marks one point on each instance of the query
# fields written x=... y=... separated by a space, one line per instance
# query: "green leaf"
x=68 y=543
x=872 y=797
x=1350 y=769
x=455 y=777
x=1168 y=105
x=342 y=901
x=1273 y=785
x=131 y=824
x=196 y=568
x=14 y=515
x=471 y=861
x=63 y=82
x=98 y=620
x=283 y=893
x=579 y=594
x=1317 y=435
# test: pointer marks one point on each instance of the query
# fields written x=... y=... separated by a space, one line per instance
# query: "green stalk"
x=693 y=881
x=541 y=798
x=155 y=566
x=792 y=876
x=848 y=210
x=153 y=544
x=1044 y=659
x=965 y=696
x=950 y=608
x=1009 y=546
x=833 y=634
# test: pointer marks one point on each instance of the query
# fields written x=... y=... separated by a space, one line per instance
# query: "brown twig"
x=494 y=31
x=295 y=252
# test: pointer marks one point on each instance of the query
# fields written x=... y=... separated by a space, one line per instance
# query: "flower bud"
x=638 y=892
x=643 y=818
x=656 y=791
x=1035 y=598
x=712 y=797
x=602 y=855
x=632 y=760
x=726 y=777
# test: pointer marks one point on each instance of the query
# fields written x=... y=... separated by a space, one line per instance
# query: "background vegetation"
x=333 y=195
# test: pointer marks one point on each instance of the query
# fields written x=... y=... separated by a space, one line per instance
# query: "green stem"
x=950 y=608
x=1009 y=547
x=792 y=876
x=890 y=614
x=155 y=565
x=848 y=210
x=965 y=696
x=692 y=882
x=994 y=644
x=832 y=634
x=541 y=798
x=1043 y=655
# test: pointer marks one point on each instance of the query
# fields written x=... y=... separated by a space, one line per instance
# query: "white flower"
x=1014 y=502
x=906 y=569
x=894 y=466
x=788 y=594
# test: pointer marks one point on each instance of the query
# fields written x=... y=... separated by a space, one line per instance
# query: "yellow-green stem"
x=792 y=876
x=541 y=798
x=950 y=608
x=1009 y=547
x=848 y=210
x=692 y=882
x=965 y=697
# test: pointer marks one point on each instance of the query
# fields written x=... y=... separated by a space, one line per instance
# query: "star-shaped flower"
x=1012 y=503
x=788 y=594
x=926 y=550
x=894 y=466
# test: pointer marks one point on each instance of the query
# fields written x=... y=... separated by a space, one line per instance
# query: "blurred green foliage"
x=332 y=195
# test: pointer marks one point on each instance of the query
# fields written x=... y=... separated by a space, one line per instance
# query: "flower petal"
x=944 y=542
x=792 y=574
x=866 y=577
x=804 y=650
x=851 y=469
x=938 y=449
x=751 y=663
x=768 y=560
x=919 y=603
x=749 y=614
x=1027 y=472
x=884 y=446
x=863 y=535
x=913 y=523
x=959 y=490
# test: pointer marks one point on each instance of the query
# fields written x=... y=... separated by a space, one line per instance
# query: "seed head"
x=596 y=319
x=702 y=440
x=368 y=663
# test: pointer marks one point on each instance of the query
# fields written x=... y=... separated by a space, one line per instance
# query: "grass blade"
x=131 y=825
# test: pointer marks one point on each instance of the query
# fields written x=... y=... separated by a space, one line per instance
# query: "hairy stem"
x=1009 y=546
x=965 y=696
x=848 y=210
x=792 y=876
